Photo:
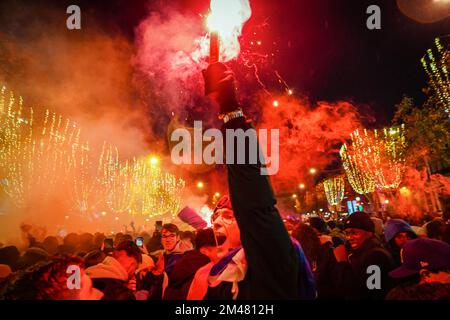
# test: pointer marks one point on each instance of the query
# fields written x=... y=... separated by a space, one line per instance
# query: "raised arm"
x=272 y=261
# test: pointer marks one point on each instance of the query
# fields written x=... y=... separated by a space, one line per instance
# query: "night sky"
x=323 y=47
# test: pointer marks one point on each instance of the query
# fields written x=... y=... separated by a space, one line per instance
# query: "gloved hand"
x=220 y=86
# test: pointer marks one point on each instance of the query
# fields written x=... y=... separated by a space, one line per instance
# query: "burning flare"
x=225 y=22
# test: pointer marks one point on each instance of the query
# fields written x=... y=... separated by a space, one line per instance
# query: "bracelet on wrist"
x=231 y=115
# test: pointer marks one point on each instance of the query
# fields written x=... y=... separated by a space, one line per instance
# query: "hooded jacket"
x=394 y=227
x=391 y=229
x=110 y=278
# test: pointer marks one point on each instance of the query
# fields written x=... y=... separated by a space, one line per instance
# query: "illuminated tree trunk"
x=374 y=201
x=435 y=202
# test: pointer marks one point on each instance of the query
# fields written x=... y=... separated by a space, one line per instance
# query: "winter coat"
x=183 y=273
x=325 y=271
x=160 y=282
x=110 y=278
x=355 y=272
x=275 y=268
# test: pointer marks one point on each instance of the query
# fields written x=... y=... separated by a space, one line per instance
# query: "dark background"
x=323 y=46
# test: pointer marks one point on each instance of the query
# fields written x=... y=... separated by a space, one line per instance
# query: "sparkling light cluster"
x=359 y=179
x=227 y=18
x=375 y=159
x=437 y=67
x=41 y=158
x=334 y=190
x=34 y=161
x=154 y=192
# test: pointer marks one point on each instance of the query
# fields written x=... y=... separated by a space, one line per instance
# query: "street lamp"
x=154 y=160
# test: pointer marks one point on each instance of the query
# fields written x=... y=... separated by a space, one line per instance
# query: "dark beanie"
x=319 y=224
x=360 y=220
x=10 y=256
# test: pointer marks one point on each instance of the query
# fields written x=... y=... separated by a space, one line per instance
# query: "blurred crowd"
x=170 y=264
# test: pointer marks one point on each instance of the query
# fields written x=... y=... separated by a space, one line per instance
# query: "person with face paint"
x=259 y=259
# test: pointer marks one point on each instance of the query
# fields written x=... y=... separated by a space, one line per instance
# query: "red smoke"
x=309 y=135
x=418 y=194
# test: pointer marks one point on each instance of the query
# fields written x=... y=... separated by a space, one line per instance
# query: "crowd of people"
x=332 y=262
x=250 y=253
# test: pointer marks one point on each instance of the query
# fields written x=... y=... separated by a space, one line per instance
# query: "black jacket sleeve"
x=355 y=280
x=272 y=262
x=384 y=262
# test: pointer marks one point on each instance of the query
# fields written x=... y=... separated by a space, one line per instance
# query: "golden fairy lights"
x=34 y=161
x=116 y=178
x=436 y=65
x=334 y=190
x=375 y=159
x=83 y=189
x=39 y=159
x=15 y=131
x=154 y=192
x=359 y=179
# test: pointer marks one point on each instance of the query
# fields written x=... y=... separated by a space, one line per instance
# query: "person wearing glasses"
x=259 y=259
x=172 y=254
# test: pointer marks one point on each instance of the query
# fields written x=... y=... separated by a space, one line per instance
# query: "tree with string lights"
x=334 y=189
x=375 y=159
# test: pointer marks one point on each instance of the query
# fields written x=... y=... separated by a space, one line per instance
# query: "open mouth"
x=220 y=237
